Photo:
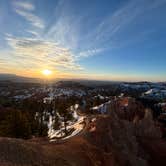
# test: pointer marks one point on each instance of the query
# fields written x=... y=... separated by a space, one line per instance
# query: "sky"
x=122 y=40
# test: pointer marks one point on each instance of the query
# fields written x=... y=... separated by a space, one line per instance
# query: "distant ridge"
x=22 y=79
x=16 y=78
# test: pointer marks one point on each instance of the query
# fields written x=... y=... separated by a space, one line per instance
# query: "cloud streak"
x=106 y=33
x=62 y=40
x=90 y=52
x=39 y=53
x=25 y=10
x=24 y=5
x=116 y=23
x=33 y=19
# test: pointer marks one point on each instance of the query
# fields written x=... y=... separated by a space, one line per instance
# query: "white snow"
x=101 y=108
x=77 y=125
x=155 y=93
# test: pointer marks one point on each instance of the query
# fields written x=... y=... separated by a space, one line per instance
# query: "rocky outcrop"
x=108 y=140
x=146 y=127
x=116 y=136
x=122 y=138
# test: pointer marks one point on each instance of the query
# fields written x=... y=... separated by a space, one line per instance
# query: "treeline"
x=20 y=120
x=30 y=117
x=20 y=124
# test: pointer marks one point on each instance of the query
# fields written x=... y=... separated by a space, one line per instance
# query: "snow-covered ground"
x=155 y=94
x=102 y=108
x=67 y=92
x=138 y=86
x=22 y=97
x=76 y=125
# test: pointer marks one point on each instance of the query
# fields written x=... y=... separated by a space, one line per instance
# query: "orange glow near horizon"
x=57 y=74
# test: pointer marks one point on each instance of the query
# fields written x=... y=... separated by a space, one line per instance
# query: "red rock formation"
x=110 y=140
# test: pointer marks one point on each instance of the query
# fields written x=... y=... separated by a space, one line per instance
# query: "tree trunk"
x=65 y=125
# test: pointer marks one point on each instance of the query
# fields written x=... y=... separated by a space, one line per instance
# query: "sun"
x=47 y=72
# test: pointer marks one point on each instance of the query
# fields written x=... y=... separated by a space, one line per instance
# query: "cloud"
x=67 y=28
x=65 y=34
x=65 y=25
x=111 y=28
x=65 y=31
x=90 y=52
x=24 y=5
x=2 y=61
x=33 y=19
x=25 y=9
x=38 y=53
x=34 y=33
x=42 y=51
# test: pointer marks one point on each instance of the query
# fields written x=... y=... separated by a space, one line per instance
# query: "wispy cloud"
x=24 y=5
x=65 y=31
x=65 y=41
x=90 y=52
x=108 y=31
x=34 y=33
x=25 y=10
x=41 y=53
x=33 y=19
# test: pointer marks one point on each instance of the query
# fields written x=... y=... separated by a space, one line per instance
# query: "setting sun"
x=47 y=72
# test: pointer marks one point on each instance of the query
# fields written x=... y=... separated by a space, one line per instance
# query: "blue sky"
x=106 y=40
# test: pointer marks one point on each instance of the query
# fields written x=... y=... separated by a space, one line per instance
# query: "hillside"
x=106 y=141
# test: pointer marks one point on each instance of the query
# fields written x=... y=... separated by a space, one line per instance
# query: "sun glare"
x=47 y=72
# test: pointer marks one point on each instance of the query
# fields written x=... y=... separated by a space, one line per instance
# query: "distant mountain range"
x=16 y=78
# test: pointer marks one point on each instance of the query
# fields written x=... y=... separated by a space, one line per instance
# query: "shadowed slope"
x=106 y=141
